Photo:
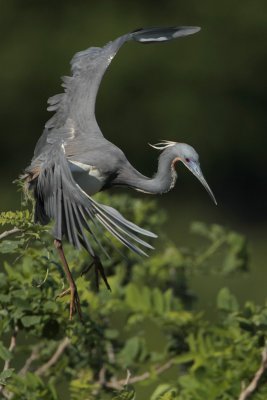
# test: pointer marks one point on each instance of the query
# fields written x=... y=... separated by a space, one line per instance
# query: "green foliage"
x=22 y=219
x=127 y=393
x=148 y=324
x=164 y=392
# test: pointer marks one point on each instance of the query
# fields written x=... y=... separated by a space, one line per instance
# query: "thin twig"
x=33 y=356
x=127 y=377
x=12 y=345
x=59 y=351
x=102 y=376
x=254 y=384
x=10 y=232
x=119 y=384
x=210 y=251
x=110 y=353
x=6 y=395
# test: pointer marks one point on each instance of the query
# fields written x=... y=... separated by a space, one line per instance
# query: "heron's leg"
x=74 y=296
x=99 y=269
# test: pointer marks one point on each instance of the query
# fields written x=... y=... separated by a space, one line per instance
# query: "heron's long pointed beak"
x=196 y=170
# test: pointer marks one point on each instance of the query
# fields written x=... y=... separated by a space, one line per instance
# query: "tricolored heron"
x=72 y=161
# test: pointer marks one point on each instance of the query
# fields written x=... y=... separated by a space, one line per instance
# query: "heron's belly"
x=87 y=176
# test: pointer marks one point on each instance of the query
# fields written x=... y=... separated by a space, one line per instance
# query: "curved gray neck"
x=163 y=181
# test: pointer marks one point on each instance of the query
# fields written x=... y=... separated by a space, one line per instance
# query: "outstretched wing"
x=76 y=106
x=60 y=198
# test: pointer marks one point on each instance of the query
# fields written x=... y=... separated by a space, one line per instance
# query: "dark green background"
x=209 y=90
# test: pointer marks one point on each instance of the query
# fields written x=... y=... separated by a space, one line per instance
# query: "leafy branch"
x=119 y=384
x=6 y=372
x=155 y=295
x=10 y=232
x=255 y=382
x=55 y=357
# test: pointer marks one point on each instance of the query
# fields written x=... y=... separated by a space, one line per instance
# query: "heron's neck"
x=163 y=181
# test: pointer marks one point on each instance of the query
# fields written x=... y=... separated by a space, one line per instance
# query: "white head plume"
x=162 y=145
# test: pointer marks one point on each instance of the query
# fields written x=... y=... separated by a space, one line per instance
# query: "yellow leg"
x=72 y=290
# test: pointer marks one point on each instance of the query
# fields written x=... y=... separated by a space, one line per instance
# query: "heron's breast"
x=87 y=176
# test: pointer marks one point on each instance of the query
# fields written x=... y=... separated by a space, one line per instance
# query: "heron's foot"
x=99 y=270
x=75 y=305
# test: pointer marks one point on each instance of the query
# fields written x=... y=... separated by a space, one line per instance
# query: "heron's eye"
x=187 y=159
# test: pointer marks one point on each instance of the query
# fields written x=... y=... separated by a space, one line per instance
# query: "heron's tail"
x=28 y=184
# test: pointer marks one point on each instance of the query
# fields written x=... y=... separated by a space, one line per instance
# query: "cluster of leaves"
x=147 y=325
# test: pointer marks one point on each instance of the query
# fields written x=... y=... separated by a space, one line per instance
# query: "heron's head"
x=188 y=156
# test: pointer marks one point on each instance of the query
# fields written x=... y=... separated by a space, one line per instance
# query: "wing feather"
x=68 y=205
x=77 y=103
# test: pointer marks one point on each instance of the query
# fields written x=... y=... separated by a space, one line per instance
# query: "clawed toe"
x=75 y=305
x=98 y=267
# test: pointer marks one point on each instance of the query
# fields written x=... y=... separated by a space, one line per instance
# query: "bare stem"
x=254 y=384
x=59 y=351
x=119 y=384
x=127 y=377
x=33 y=356
x=12 y=345
x=210 y=251
x=10 y=232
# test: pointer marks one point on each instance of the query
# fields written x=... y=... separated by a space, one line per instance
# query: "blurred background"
x=209 y=90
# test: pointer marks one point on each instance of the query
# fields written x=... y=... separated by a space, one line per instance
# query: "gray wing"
x=60 y=198
x=75 y=108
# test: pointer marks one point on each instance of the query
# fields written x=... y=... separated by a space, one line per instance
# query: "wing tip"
x=157 y=34
x=186 y=31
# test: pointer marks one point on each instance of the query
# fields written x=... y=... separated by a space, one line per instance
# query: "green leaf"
x=111 y=333
x=168 y=300
x=160 y=391
x=146 y=299
x=158 y=301
x=30 y=320
x=9 y=246
x=226 y=300
x=5 y=354
x=128 y=393
x=200 y=228
x=130 y=351
x=4 y=375
x=133 y=297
